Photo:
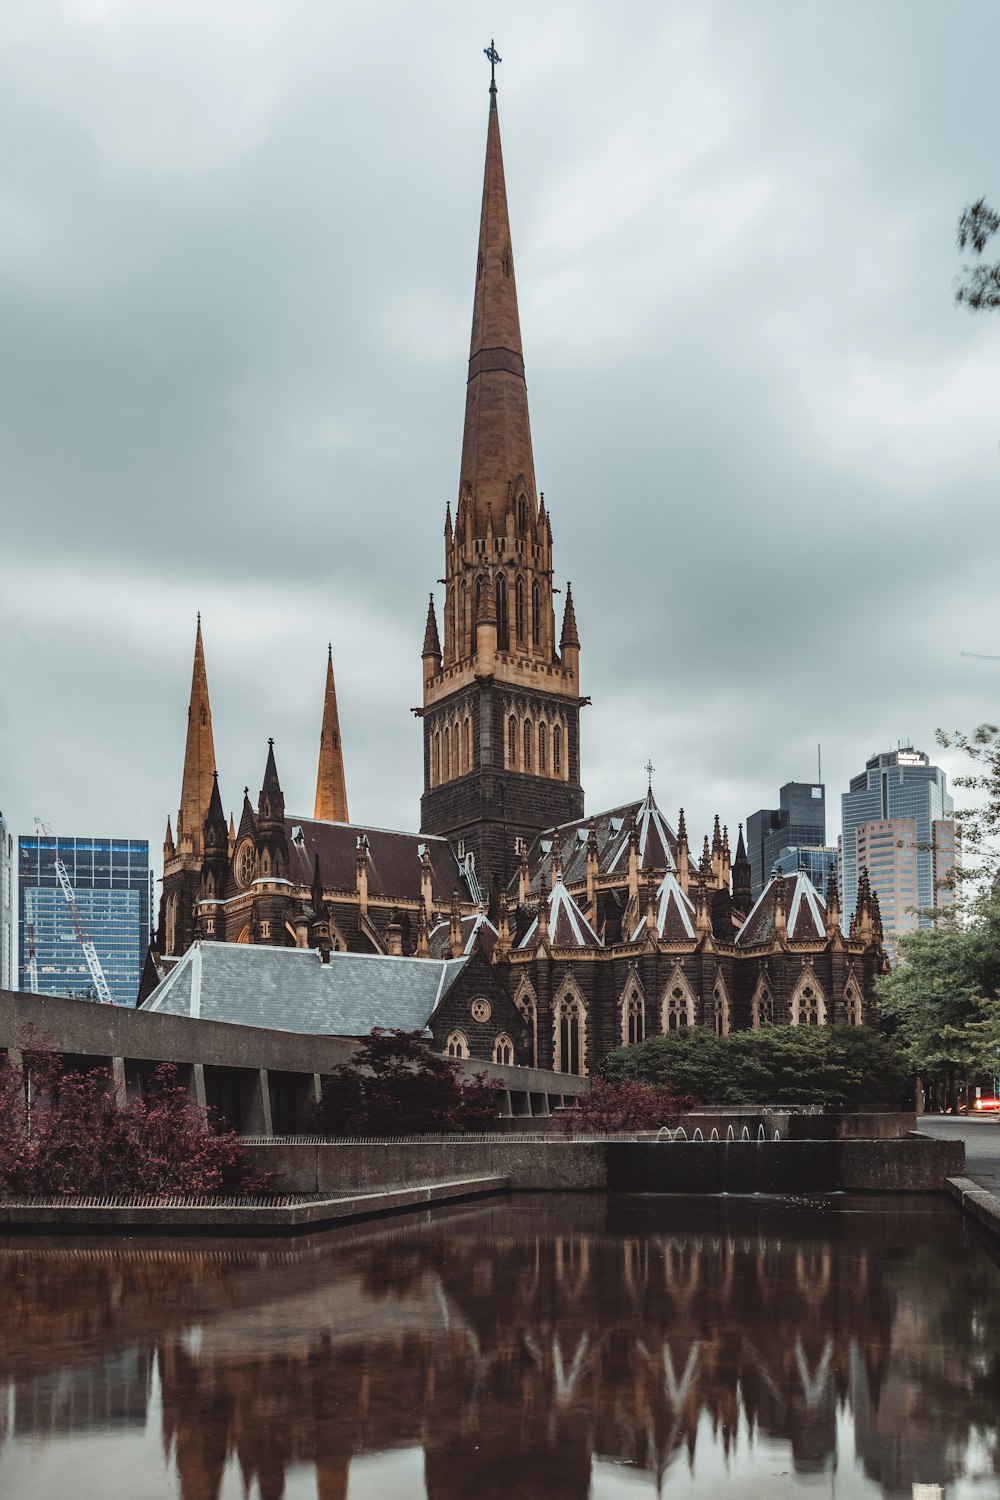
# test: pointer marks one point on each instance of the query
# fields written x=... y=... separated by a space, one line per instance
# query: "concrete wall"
x=260 y=1080
x=917 y=1164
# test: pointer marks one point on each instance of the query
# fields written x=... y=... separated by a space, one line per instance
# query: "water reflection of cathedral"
x=515 y=1344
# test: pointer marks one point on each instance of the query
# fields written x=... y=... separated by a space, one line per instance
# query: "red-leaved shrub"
x=63 y=1135
x=395 y=1085
x=610 y=1108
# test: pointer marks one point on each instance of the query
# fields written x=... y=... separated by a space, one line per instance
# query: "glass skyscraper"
x=899 y=815
x=112 y=888
x=798 y=822
x=6 y=907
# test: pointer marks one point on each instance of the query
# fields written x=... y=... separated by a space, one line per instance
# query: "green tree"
x=842 y=1067
x=978 y=288
x=944 y=1000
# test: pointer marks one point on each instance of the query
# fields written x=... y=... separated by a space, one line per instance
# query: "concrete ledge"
x=240 y=1217
x=977 y=1202
x=916 y=1164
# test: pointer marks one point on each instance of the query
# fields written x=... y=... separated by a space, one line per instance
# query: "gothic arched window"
x=536 y=615
x=852 y=1004
x=519 y=609
x=633 y=1020
x=468 y=744
x=446 y=757
x=462 y=621
x=528 y=736
x=522 y=513
x=503 y=1051
x=678 y=1011
x=503 y=632
x=543 y=749
x=557 y=751
x=457 y=1044
x=569 y=1037
x=512 y=743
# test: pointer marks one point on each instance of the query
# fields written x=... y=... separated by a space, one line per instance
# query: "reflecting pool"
x=551 y=1347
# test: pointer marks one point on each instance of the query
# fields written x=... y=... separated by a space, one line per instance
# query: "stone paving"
x=982 y=1144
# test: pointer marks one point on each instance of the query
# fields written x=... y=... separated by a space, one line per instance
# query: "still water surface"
x=551 y=1347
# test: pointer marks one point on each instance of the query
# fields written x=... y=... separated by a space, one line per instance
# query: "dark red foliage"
x=394 y=1085
x=630 y=1106
x=63 y=1135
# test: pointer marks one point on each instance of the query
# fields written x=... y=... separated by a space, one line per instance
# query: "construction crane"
x=30 y=932
x=89 y=951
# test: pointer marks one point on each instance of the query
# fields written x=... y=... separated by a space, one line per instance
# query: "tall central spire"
x=199 y=756
x=496 y=450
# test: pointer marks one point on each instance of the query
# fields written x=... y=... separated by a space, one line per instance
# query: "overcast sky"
x=237 y=250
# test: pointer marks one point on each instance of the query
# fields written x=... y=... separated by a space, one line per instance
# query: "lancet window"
x=528 y=736
x=503 y=630
x=457 y=1044
x=557 y=751
x=503 y=1051
x=543 y=749
x=633 y=1019
x=512 y=743
x=536 y=615
x=570 y=1035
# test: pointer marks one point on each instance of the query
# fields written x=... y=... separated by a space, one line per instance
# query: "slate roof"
x=290 y=989
x=568 y=927
x=657 y=844
x=675 y=913
x=805 y=912
x=439 y=937
x=393 y=859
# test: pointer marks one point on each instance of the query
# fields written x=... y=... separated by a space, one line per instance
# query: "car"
x=985 y=1104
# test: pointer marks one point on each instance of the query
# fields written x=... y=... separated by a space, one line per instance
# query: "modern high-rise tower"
x=501 y=701
x=111 y=884
x=899 y=825
x=6 y=907
x=797 y=824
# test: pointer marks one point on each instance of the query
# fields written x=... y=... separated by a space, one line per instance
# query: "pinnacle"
x=199 y=750
x=570 y=635
x=270 y=782
x=331 y=787
x=432 y=641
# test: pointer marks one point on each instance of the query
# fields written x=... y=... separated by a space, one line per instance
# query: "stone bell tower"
x=501 y=704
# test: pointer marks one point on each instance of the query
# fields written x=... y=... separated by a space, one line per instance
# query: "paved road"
x=982 y=1144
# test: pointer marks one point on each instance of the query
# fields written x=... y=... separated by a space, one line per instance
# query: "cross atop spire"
x=494 y=57
x=649 y=768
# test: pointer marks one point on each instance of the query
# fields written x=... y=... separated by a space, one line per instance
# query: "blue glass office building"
x=897 y=784
x=799 y=821
x=112 y=886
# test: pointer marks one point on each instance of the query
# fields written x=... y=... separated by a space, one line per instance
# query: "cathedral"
x=579 y=933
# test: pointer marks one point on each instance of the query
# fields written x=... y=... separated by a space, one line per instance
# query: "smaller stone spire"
x=432 y=641
x=455 y=926
x=168 y=841
x=331 y=787
x=570 y=635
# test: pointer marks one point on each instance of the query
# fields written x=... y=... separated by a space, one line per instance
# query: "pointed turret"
x=432 y=641
x=570 y=635
x=215 y=864
x=168 y=841
x=273 y=844
x=832 y=904
x=742 y=878
x=199 y=757
x=569 y=641
x=331 y=788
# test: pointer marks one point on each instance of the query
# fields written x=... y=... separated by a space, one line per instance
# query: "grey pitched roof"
x=657 y=844
x=290 y=989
